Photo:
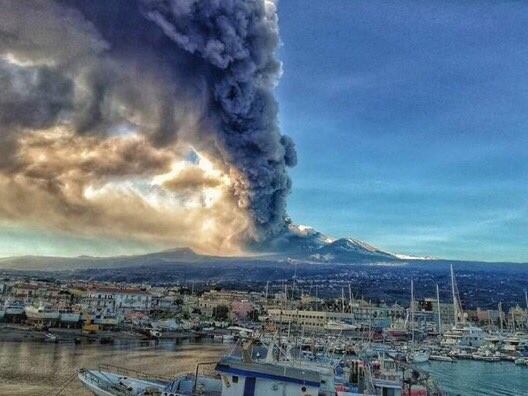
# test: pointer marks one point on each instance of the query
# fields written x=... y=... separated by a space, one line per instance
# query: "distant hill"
x=299 y=245
x=49 y=263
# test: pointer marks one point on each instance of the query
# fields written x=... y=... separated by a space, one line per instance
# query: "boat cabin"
x=241 y=378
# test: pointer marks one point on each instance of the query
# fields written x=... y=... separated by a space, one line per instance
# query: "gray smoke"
x=196 y=72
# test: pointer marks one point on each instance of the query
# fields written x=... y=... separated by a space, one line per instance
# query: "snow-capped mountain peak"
x=302 y=241
x=411 y=257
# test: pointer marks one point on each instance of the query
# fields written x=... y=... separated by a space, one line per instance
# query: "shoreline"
x=24 y=333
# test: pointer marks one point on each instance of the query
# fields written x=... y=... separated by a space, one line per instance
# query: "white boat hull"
x=93 y=387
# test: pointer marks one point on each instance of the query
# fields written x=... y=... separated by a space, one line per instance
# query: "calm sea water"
x=467 y=377
x=32 y=369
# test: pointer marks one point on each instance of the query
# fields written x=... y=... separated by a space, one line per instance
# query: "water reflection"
x=32 y=369
x=40 y=368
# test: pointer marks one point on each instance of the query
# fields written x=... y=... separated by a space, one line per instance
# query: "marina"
x=34 y=369
x=328 y=364
x=346 y=346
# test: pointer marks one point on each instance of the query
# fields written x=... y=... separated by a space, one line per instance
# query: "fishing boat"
x=486 y=355
x=279 y=373
x=389 y=377
x=236 y=376
x=384 y=377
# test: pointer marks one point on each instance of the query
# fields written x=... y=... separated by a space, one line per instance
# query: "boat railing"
x=128 y=372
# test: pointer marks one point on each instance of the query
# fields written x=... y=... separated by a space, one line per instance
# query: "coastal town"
x=363 y=346
x=78 y=311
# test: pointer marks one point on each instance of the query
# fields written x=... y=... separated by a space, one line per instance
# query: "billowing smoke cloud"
x=153 y=119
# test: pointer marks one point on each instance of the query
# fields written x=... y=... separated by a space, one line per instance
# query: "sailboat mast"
x=412 y=311
x=455 y=305
x=438 y=309
x=500 y=315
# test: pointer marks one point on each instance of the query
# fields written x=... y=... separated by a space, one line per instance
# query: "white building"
x=376 y=316
x=119 y=300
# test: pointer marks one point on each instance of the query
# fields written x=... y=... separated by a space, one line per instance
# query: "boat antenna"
x=342 y=300
x=500 y=315
x=317 y=297
x=438 y=309
x=350 y=296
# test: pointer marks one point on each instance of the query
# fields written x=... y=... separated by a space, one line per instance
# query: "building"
x=119 y=300
x=212 y=299
x=427 y=312
x=375 y=316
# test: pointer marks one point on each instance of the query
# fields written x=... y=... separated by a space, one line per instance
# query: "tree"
x=220 y=312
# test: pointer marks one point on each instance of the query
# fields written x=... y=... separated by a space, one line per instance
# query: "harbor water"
x=31 y=369
x=470 y=377
x=37 y=369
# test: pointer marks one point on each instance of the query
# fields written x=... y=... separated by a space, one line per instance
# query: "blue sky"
x=410 y=122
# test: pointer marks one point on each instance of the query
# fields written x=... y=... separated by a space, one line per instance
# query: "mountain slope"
x=301 y=243
x=347 y=250
x=30 y=263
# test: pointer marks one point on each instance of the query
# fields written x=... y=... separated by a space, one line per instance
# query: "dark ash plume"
x=238 y=40
x=199 y=73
